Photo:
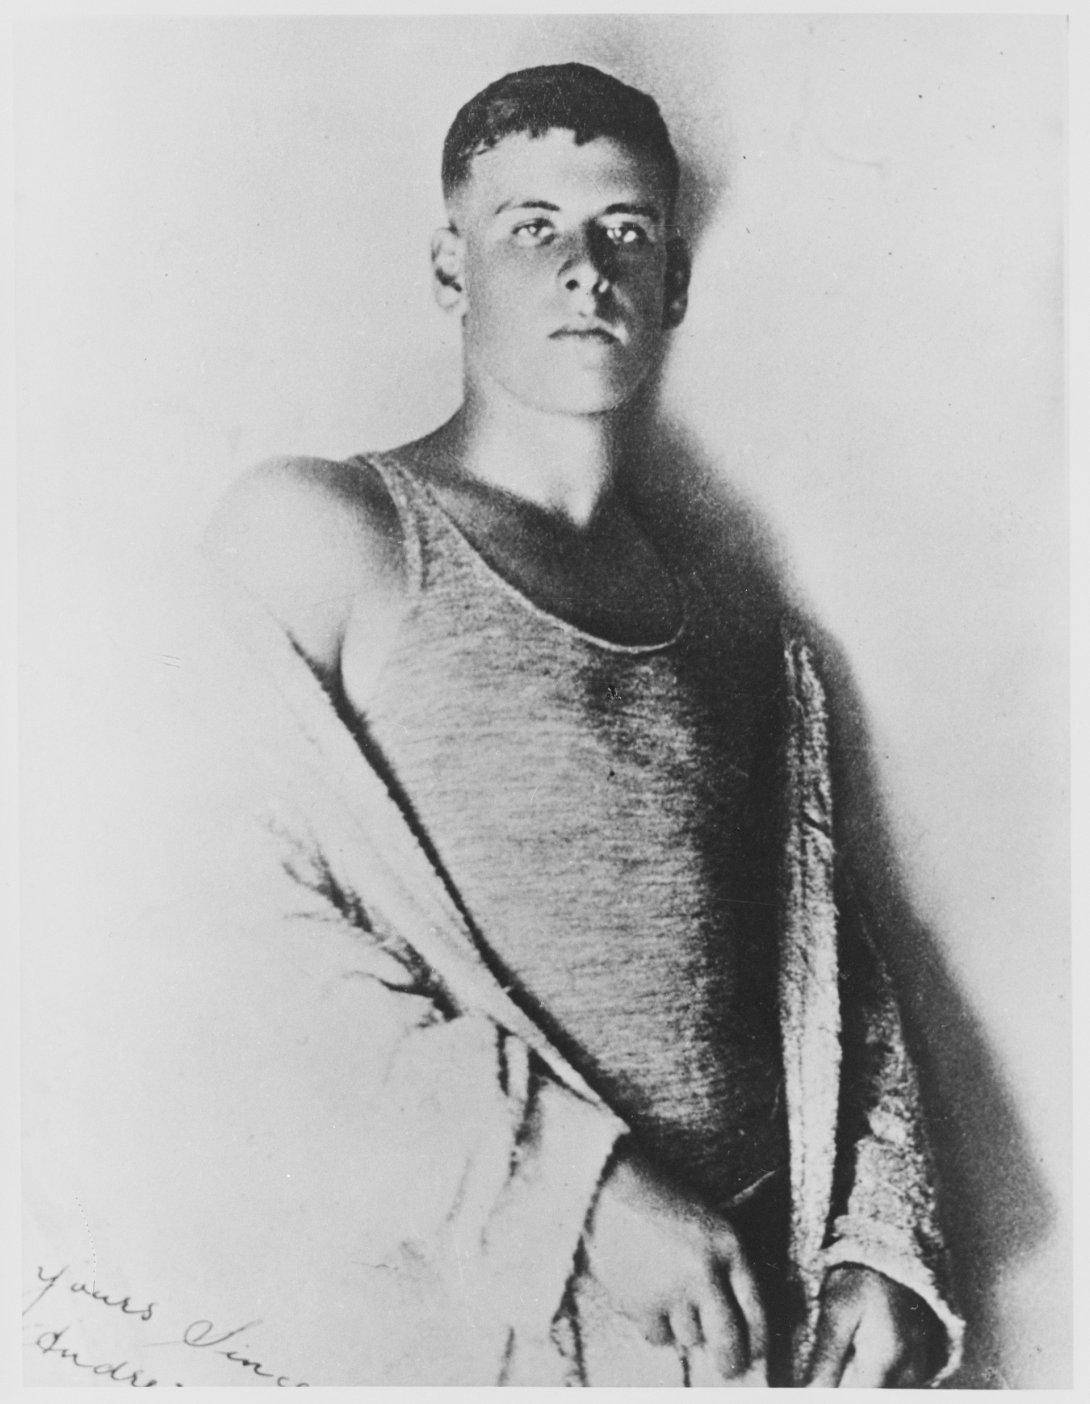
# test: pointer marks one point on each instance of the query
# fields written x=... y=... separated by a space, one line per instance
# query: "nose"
x=588 y=264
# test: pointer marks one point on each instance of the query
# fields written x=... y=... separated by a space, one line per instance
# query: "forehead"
x=556 y=168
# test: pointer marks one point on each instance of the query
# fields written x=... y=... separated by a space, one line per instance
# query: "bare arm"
x=320 y=544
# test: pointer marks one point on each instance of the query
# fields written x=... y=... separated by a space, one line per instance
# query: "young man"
x=596 y=756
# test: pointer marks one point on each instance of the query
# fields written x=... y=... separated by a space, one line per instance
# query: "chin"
x=583 y=395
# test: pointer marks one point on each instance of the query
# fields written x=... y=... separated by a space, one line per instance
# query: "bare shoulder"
x=318 y=541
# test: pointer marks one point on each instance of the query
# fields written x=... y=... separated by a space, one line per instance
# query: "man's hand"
x=872 y=1333
x=677 y=1271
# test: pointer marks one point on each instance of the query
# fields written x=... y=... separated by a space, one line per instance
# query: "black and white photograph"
x=543 y=700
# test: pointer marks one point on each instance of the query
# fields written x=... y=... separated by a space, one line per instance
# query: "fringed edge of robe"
x=889 y=1222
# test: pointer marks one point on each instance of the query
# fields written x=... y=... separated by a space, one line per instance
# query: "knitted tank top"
x=604 y=812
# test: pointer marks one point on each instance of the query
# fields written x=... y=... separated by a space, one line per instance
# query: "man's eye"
x=627 y=236
x=534 y=231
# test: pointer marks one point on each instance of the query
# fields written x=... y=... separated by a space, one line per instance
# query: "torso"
x=603 y=803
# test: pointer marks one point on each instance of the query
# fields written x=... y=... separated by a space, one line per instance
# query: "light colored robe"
x=468 y=1150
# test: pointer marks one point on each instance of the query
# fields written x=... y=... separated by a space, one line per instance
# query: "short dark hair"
x=572 y=96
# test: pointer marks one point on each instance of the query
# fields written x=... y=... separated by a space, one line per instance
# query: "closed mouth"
x=594 y=332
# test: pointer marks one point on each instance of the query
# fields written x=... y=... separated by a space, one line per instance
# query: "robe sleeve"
x=475 y=1167
x=885 y=1214
x=863 y=1178
x=425 y=1167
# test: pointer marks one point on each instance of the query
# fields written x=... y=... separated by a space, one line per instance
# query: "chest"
x=514 y=733
x=606 y=579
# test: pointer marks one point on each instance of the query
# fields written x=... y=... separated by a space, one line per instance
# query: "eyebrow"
x=623 y=207
x=527 y=205
x=647 y=211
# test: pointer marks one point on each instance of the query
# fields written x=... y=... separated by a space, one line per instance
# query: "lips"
x=586 y=331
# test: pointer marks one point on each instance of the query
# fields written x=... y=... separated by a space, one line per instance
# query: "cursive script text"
x=49 y=1343
x=199 y=1334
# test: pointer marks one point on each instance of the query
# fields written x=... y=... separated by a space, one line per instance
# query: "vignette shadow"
x=996 y=1208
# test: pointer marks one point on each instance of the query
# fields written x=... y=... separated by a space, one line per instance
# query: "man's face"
x=563 y=267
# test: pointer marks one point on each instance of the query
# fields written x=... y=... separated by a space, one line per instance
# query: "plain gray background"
x=222 y=240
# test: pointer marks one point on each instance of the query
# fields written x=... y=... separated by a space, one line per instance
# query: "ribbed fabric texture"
x=604 y=813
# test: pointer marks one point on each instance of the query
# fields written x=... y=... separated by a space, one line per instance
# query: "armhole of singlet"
x=394 y=481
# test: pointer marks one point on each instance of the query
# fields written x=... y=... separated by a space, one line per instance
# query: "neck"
x=565 y=464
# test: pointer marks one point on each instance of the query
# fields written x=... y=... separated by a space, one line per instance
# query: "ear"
x=678 y=271
x=447 y=262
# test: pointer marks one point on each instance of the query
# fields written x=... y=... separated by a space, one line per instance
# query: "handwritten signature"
x=123 y=1304
x=197 y=1332
x=49 y=1344
x=198 y=1335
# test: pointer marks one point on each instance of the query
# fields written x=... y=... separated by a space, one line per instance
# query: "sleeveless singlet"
x=604 y=812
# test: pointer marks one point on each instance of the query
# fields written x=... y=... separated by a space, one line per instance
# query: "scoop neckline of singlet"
x=523 y=599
